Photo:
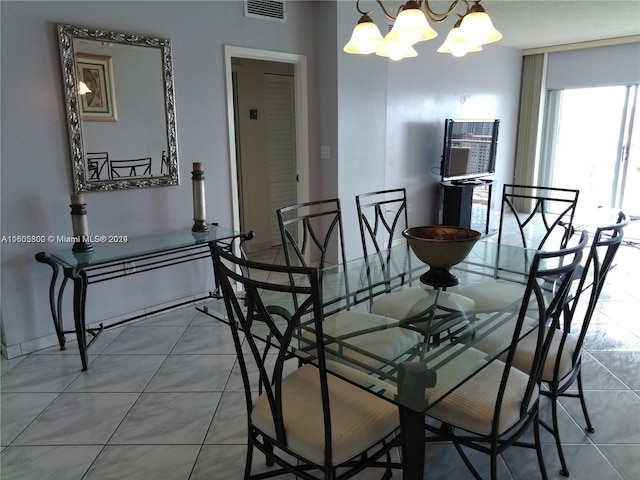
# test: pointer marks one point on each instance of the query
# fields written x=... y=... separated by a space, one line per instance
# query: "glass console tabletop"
x=113 y=258
x=119 y=251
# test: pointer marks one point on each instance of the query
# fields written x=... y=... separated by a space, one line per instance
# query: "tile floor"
x=162 y=400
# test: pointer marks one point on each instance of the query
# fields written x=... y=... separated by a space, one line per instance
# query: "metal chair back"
x=555 y=268
x=599 y=261
x=542 y=217
x=382 y=216
x=312 y=235
x=256 y=297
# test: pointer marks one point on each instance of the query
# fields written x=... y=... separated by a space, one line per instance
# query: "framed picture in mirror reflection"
x=96 y=88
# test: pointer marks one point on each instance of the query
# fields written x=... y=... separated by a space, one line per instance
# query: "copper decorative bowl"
x=441 y=247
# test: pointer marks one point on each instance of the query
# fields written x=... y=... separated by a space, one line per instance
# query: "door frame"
x=299 y=63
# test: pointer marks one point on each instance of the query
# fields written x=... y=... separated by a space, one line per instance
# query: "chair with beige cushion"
x=306 y=421
x=312 y=234
x=494 y=408
x=533 y=217
x=382 y=216
x=564 y=361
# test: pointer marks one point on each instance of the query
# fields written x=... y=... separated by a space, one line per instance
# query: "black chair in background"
x=541 y=216
x=96 y=162
x=494 y=408
x=382 y=217
x=536 y=218
x=312 y=235
x=139 y=167
x=564 y=361
x=306 y=420
x=164 y=163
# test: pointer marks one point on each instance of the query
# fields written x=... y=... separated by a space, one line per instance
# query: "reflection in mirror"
x=120 y=109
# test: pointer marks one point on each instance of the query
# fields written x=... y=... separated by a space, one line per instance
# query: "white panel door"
x=281 y=147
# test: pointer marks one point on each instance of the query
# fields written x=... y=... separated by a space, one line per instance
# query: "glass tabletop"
x=398 y=359
x=109 y=252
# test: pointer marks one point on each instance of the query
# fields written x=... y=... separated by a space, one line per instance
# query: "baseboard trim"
x=30 y=346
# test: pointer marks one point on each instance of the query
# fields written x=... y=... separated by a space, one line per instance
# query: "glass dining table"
x=416 y=361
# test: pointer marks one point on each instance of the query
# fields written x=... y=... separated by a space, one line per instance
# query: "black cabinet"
x=466 y=204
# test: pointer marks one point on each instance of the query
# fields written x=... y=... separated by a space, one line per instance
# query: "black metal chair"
x=96 y=162
x=307 y=420
x=382 y=216
x=139 y=167
x=164 y=163
x=564 y=361
x=543 y=215
x=493 y=409
x=536 y=218
x=312 y=235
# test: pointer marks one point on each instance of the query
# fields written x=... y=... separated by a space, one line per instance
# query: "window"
x=589 y=143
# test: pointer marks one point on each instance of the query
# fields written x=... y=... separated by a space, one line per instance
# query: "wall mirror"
x=120 y=109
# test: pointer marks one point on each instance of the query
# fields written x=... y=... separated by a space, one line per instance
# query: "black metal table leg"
x=413 y=379
x=412 y=427
x=79 y=301
x=55 y=304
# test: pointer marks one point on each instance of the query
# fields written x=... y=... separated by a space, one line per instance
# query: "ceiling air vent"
x=274 y=10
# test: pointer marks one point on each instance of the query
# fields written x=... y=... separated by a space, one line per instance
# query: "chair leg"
x=589 y=428
x=388 y=473
x=463 y=455
x=249 y=458
x=269 y=447
x=564 y=471
x=536 y=434
x=494 y=463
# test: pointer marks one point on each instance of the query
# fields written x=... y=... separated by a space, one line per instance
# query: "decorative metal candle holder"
x=79 y=224
x=199 y=212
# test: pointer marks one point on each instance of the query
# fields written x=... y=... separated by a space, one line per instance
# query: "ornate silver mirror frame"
x=82 y=166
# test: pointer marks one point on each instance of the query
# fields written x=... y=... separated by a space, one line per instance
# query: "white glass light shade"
x=478 y=28
x=412 y=26
x=365 y=39
x=457 y=44
x=394 y=48
x=82 y=88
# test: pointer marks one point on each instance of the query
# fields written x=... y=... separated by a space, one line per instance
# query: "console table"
x=109 y=261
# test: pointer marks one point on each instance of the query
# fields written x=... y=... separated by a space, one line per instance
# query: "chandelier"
x=470 y=32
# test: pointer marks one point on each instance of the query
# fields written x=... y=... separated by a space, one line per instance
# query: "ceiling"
x=527 y=24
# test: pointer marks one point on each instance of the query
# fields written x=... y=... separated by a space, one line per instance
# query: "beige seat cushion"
x=495 y=333
x=501 y=338
x=471 y=406
x=358 y=419
x=386 y=340
x=526 y=349
x=493 y=294
x=410 y=301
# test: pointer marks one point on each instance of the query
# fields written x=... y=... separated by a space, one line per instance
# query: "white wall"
x=381 y=120
x=362 y=119
x=391 y=117
x=36 y=177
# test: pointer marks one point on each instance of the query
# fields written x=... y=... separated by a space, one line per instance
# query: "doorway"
x=269 y=172
x=590 y=143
